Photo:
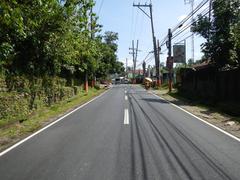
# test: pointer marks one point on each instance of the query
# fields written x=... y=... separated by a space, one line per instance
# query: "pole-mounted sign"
x=170 y=63
x=179 y=54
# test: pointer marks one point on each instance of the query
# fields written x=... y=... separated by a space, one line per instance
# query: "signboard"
x=170 y=63
x=179 y=54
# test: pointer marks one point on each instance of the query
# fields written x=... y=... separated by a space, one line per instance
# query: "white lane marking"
x=125 y=92
x=44 y=128
x=126 y=97
x=217 y=128
x=126 y=117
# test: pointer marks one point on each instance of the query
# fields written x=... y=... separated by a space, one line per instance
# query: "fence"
x=210 y=84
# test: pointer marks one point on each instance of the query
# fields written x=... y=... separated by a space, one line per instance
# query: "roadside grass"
x=14 y=132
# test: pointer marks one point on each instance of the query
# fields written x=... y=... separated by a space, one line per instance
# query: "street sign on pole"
x=170 y=63
x=179 y=53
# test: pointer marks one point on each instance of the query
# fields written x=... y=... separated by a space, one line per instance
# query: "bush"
x=28 y=94
x=97 y=86
x=17 y=83
x=77 y=89
x=67 y=92
x=13 y=107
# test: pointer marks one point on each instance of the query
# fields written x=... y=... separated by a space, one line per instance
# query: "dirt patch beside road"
x=228 y=123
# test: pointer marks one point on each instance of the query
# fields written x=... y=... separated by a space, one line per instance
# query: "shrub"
x=13 y=107
x=97 y=86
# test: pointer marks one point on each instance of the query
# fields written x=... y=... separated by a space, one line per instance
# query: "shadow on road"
x=154 y=100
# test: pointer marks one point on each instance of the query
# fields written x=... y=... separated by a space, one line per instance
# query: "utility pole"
x=209 y=18
x=191 y=2
x=133 y=57
x=90 y=27
x=126 y=68
x=169 y=58
x=140 y=6
x=135 y=61
x=144 y=68
x=134 y=54
x=158 y=64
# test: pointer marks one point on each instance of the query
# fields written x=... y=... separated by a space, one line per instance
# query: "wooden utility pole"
x=90 y=27
x=169 y=57
x=158 y=65
x=140 y=6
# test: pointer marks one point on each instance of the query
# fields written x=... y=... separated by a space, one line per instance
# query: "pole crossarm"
x=140 y=7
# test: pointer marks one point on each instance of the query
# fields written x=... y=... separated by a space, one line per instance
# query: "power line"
x=186 y=27
x=100 y=8
x=194 y=11
x=181 y=37
x=180 y=24
x=184 y=39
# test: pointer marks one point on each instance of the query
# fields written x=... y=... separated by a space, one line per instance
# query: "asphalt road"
x=126 y=134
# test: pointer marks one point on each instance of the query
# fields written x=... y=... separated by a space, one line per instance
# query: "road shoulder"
x=223 y=121
x=15 y=133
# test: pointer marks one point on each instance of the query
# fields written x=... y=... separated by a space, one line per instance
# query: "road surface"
x=126 y=134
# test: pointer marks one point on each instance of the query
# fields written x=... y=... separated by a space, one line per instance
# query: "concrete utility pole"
x=153 y=36
x=144 y=68
x=126 y=68
x=191 y=2
x=134 y=54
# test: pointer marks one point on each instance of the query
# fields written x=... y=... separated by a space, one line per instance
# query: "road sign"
x=179 y=53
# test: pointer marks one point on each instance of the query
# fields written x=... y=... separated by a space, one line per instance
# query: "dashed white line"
x=126 y=117
x=126 y=97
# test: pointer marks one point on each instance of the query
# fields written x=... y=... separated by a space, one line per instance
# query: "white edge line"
x=49 y=125
x=219 y=129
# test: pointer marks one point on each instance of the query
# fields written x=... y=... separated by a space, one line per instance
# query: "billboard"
x=179 y=53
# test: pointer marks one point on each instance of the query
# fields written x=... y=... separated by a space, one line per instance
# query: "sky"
x=132 y=24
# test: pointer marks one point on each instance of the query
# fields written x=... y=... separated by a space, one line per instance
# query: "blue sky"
x=131 y=24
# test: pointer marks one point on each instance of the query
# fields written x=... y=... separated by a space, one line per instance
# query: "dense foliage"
x=54 y=38
x=222 y=33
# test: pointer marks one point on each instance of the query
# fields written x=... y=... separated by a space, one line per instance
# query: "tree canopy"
x=222 y=33
x=49 y=37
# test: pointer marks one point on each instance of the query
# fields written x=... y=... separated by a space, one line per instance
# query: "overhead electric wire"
x=146 y=61
x=190 y=14
x=100 y=8
x=131 y=29
x=184 y=35
x=183 y=39
x=184 y=20
x=186 y=27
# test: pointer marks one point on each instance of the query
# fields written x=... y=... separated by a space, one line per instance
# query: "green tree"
x=108 y=63
x=219 y=33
